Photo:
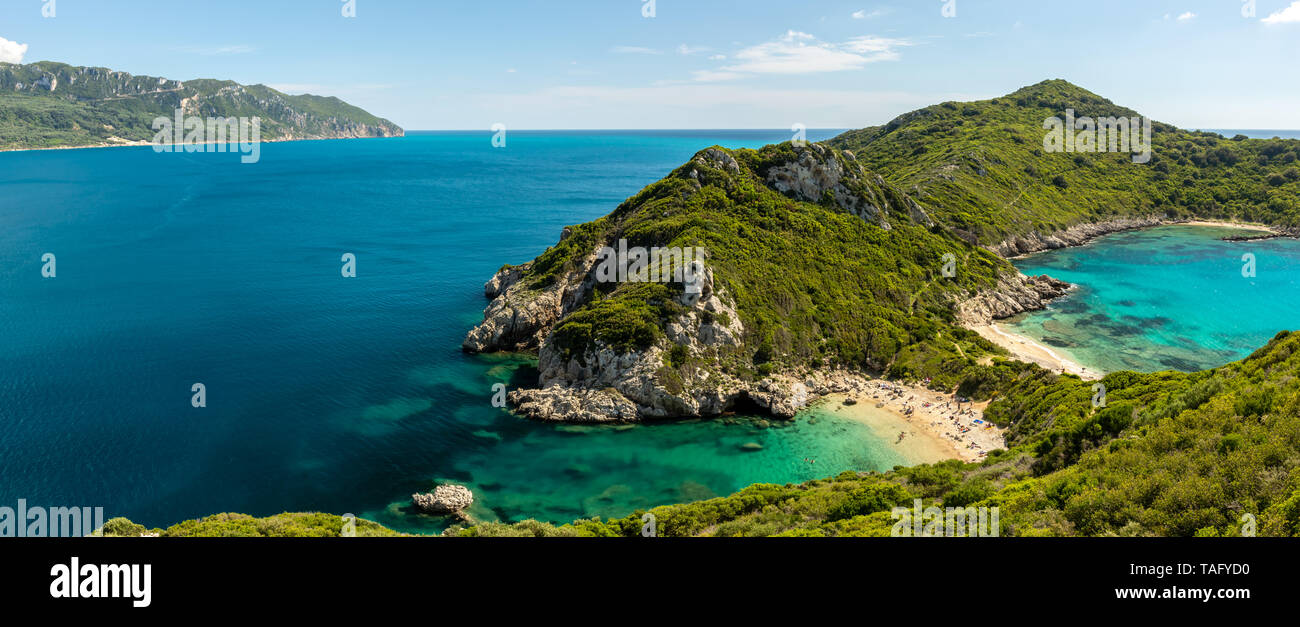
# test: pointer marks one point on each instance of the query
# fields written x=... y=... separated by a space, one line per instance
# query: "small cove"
x=1165 y=298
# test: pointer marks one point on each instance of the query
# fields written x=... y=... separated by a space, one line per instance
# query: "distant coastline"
x=142 y=143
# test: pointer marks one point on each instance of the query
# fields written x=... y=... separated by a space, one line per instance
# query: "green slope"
x=981 y=168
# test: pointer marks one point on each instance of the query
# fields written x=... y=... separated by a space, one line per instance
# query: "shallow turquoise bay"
x=1167 y=298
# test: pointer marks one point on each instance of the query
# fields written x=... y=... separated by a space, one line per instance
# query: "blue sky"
x=441 y=64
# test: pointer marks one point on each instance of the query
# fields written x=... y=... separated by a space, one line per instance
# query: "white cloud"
x=1186 y=16
x=718 y=57
x=688 y=50
x=12 y=51
x=800 y=53
x=1289 y=15
x=867 y=15
x=634 y=50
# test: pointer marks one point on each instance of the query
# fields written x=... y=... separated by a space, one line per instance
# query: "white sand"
x=1027 y=350
x=931 y=433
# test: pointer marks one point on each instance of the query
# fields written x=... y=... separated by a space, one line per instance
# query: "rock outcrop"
x=818 y=171
x=1014 y=294
x=1076 y=235
x=520 y=315
x=560 y=404
x=445 y=500
x=605 y=385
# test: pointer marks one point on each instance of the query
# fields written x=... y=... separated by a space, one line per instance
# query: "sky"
x=656 y=64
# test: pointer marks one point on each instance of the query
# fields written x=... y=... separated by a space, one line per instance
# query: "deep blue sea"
x=327 y=393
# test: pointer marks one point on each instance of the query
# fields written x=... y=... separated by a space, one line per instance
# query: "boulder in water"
x=444 y=500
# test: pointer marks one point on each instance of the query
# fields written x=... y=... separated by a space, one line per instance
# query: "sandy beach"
x=932 y=427
x=1232 y=225
x=1027 y=350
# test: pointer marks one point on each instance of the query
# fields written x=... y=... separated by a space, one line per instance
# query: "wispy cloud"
x=1289 y=15
x=634 y=50
x=690 y=50
x=1186 y=16
x=868 y=15
x=12 y=51
x=800 y=53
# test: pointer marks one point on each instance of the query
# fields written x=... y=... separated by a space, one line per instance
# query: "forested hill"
x=980 y=168
x=48 y=105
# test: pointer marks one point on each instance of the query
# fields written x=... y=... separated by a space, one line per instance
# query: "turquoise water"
x=325 y=393
x=1168 y=298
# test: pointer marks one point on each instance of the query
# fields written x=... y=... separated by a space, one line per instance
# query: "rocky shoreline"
x=1080 y=234
x=1076 y=235
x=1014 y=294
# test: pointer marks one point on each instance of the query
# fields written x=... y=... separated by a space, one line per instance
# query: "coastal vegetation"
x=286 y=525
